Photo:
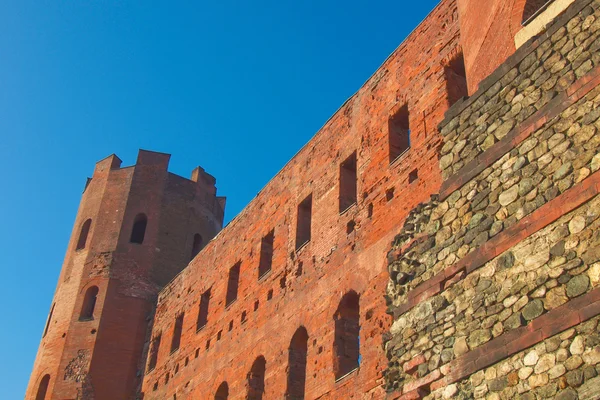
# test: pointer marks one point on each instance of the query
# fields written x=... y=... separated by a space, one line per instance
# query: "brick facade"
x=287 y=301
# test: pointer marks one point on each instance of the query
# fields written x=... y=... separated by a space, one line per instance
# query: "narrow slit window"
x=456 y=79
x=47 y=327
x=153 y=355
x=89 y=304
x=176 y=341
x=43 y=388
x=256 y=379
x=348 y=183
x=303 y=226
x=203 y=310
x=266 y=254
x=83 y=234
x=399 y=133
x=232 y=284
x=347 y=335
x=138 y=232
x=297 y=355
x=196 y=245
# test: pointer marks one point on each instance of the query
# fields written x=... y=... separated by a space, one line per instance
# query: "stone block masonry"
x=494 y=282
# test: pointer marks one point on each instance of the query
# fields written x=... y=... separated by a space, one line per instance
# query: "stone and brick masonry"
x=492 y=281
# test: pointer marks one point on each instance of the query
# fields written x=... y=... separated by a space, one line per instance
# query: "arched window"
x=531 y=8
x=297 y=352
x=89 y=303
x=222 y=392
x=197 y=245
x=256 y=379
x=43 y=388
x=83 y=234
x=139 y=229
x=347 y=331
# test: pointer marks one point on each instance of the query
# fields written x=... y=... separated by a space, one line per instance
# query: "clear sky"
x=234 y=86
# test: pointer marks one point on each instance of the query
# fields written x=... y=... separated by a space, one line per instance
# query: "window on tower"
x=138 y=232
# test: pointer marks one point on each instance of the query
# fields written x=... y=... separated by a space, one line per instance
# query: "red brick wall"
x=307 y=285
x=101 y=357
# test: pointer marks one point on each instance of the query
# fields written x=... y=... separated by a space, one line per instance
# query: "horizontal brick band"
x=547 y=325
x=579 y=89
x=537 y=220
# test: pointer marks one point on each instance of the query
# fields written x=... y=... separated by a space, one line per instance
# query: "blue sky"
x=236 y=87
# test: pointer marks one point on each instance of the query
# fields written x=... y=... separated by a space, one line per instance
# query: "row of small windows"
x=138 y=233
x=346 y=351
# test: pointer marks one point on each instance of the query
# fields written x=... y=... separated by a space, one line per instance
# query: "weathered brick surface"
x=307 y=285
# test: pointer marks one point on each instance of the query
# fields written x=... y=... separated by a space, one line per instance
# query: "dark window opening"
x=155 y=387
x=348 y=183
x=83 y=234
x=347 y=331
x=222 y=392
x=304 y=222
x=243 y=319
x=207 y=345
x=230 y=325
x=456 y=79
x=270 y=294
x=89 y=304
x=399 y=133
x=389 y=194
x=47 y=328
x=256 y=303
x=532 y=8
x=266 y=254
x=256 y=379
x=203 y=310
x=153 y=355
x=297 y=354
x=176 y=369
x=176 y=341
x=350 y=227
x=219 y=335
x=232 y=284
x=197 y=353
x=43 y=388
x=370 y=210
x=167 y=376
x=413 y=175
x=139 y=229
x=196 y=245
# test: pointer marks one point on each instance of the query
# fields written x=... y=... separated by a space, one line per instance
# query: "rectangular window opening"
x=399 y=133
x=203 y=310
x=456 y=79
x=304 y=222
x=266 y=254
x=348 y=183
x=153 y=358
x=177 y=333
x=232 y=284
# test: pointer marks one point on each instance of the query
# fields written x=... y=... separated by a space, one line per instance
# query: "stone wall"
x=504 y=259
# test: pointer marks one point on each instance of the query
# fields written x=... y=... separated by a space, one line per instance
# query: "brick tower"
x=136 y=228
